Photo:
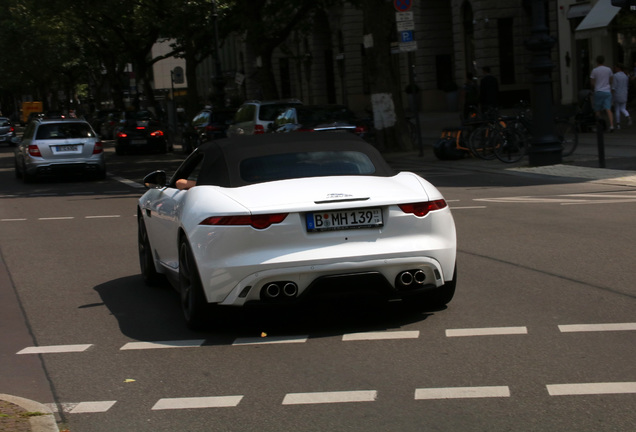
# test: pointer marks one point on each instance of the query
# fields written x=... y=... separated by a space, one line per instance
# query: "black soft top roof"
x=222 y=158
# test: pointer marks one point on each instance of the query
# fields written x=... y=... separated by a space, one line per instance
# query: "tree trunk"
x=386 y=88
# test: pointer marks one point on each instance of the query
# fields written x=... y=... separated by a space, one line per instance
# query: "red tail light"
x=99 y=148
x=211 y=128
x=421 y=209
x=360 y=130
x=141 y=127
x=34 y=151
x=12 y=129
x=259 y=129
x=255 y=221
x=121 y=135
x=156 y=133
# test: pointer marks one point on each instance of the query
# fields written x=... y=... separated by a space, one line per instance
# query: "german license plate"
x=138 y=142
x=66 y=148
x=344 y=219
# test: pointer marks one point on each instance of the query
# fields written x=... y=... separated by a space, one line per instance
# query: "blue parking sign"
x=406 y=36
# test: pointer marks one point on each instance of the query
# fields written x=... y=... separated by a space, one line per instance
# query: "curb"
x=43 y=423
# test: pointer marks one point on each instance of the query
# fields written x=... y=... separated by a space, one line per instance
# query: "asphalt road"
x=540 y=336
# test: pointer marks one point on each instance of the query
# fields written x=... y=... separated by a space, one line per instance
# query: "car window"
x=5 y=123
x=64 y=131
x=201 y=118
x=28 y=133
x=245 y=113
x=269 y=112
x=307 y=164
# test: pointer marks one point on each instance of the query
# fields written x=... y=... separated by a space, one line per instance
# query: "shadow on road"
x=153 y=314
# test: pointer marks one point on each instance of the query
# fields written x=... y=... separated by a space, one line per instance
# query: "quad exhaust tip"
x=276 y=290
x=410 y=278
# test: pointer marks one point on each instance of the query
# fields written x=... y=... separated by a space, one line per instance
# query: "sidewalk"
x=620 y=155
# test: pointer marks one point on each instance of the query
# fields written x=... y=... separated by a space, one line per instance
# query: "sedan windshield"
x=64 y=131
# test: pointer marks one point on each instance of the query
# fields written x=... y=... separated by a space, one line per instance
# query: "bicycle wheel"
x=567 y=135
x=480 y=142
x=510 y=146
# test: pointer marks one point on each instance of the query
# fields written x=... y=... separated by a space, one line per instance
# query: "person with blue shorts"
x=601 y=80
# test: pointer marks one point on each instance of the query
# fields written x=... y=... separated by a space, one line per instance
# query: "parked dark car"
x=141 y=131
x=7 y=131
x=109 y=125
x=312 y=118
x=207 y=125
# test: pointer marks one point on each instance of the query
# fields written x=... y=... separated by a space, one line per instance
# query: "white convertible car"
x=285 y=218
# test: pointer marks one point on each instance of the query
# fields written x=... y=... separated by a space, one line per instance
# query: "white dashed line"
x=163 y=344
x=92 y=407
x=462 y=392
x=53 y=349
x=591 y=388
x=197 y=402
x=468 y=207
x=330 y=397
x=128 y=182
x=270 y=340
x=56 y=218
x=571 y=328
x=381 y=335
x=102 y=217
x=13 y=220
x=490 y=331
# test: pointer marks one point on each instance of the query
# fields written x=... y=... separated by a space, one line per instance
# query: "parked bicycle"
x=508 y=138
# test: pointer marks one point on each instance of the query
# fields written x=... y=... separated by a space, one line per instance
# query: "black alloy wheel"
x=146 y=261
x=193 y=302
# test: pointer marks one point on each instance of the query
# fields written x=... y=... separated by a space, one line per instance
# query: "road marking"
x=13 y=220
x=197 y=402
x=100 y=217
x=128 y=182
x=270 y=340
x=56 y=218
x=616 y=201
x=591 y=388
x=571 y=328
x=381 y=335
x=468 y=207
x=52 y=349
x=489 y=331
x=330 y=397
x=461 y=392
x=92 y=407
x=163 y=344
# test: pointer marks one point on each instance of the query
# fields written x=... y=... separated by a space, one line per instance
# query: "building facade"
x=452 y=38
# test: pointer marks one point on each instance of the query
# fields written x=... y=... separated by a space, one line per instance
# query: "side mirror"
x=155 y=180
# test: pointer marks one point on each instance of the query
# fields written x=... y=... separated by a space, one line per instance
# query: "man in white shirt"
x=601 y=80
x=620 y=89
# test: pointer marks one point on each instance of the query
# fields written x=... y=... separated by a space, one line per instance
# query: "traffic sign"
x=405 y=25
x=406 y=36
x=402 y=5
x=403 y=16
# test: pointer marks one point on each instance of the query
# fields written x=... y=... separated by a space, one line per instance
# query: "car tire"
x=146 y=262
x=193 y=302
x=18 y=173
